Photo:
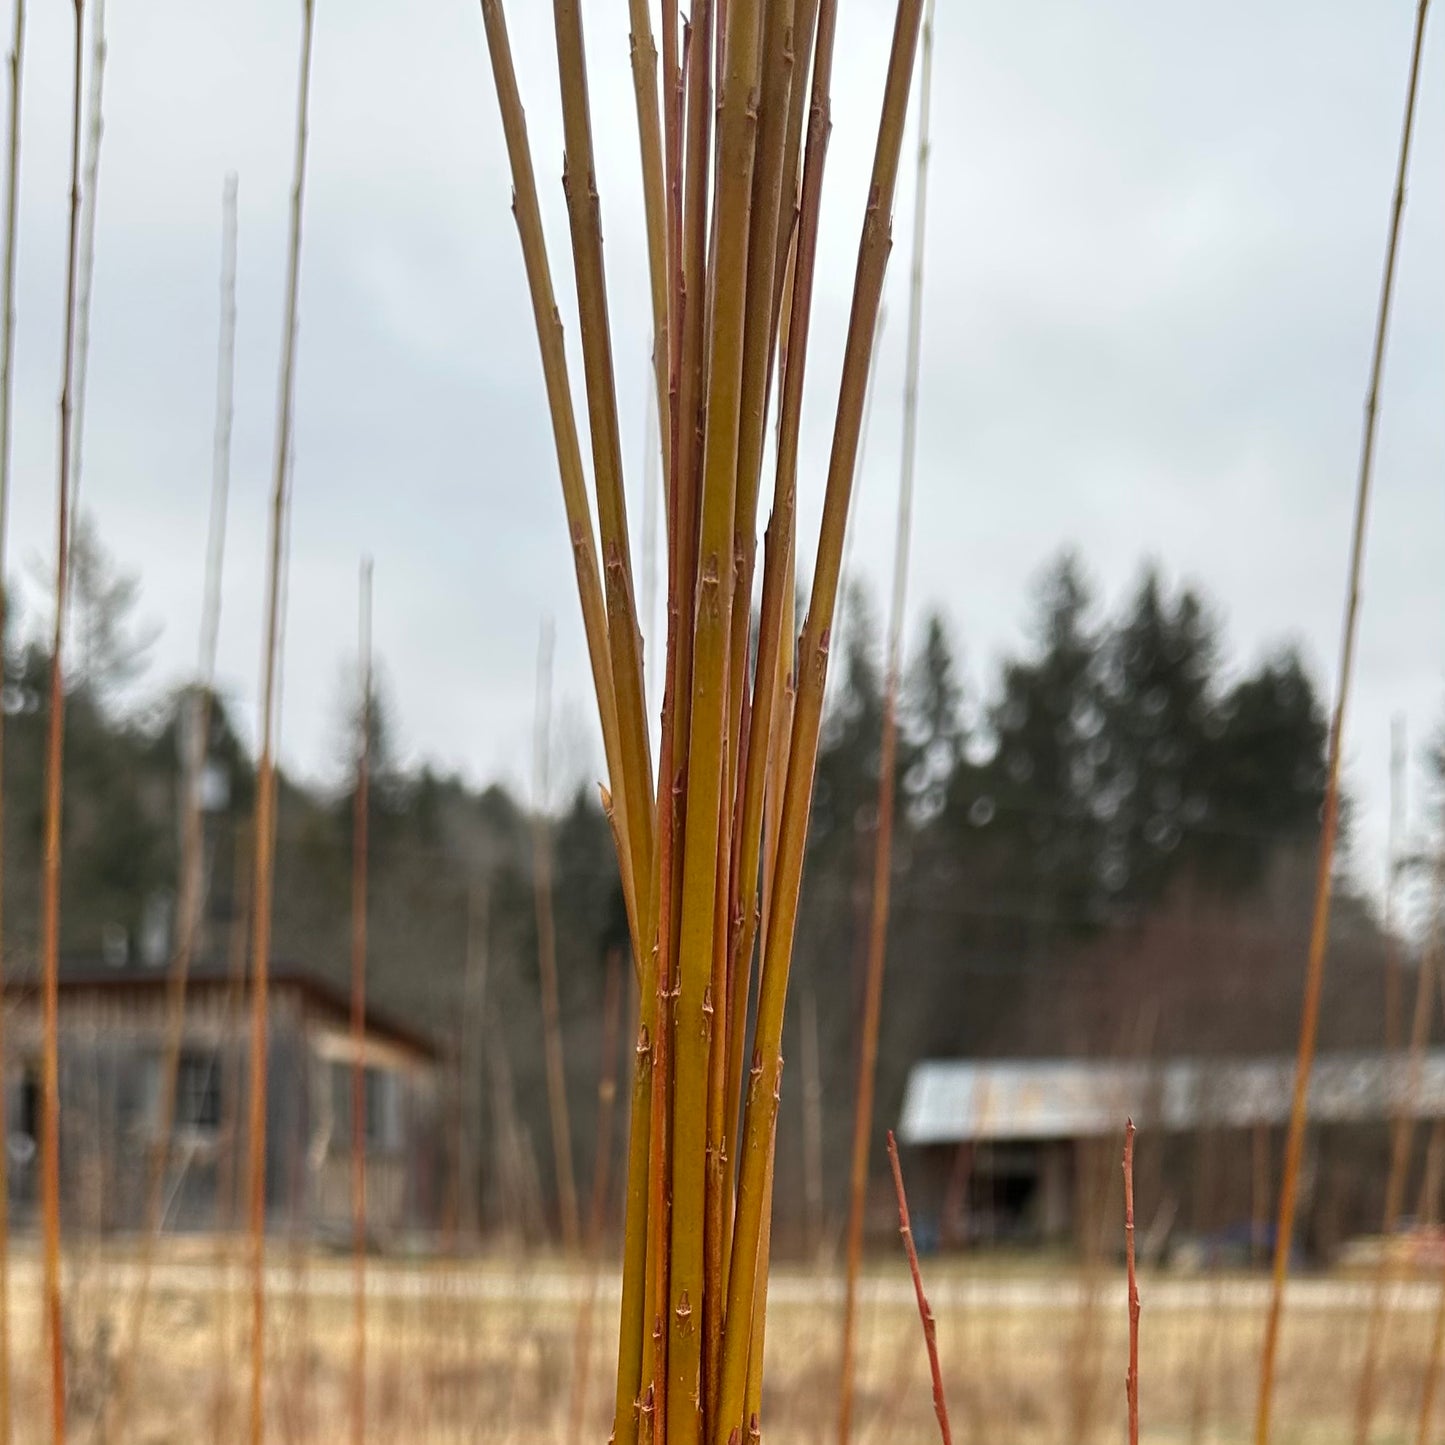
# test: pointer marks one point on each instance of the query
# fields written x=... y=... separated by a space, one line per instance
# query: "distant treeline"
x=1105 y=846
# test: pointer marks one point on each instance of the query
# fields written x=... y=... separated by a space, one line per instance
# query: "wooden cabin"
x=113 y=1027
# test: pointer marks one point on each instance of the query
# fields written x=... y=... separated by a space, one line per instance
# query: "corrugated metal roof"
x=948 y=1101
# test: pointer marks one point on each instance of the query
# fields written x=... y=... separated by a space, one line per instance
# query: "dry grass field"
x=486 y=1350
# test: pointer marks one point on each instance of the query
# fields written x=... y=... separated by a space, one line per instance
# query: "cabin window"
x=198 y=1092
x=28 y=1106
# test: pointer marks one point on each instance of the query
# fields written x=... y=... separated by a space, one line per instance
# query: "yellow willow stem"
x=579 y=182
x=805 y=35
x=758 y=344
x=697 y=1162
x=654 y=200
x=762 y=1104
x=776 y=618
x=758 y=340
x=1320 y=923
x=552 y=346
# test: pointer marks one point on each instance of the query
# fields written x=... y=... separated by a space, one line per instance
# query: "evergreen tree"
x=932 y=721
x=1034 y=799
x=1156 y=734
x=1267 y=771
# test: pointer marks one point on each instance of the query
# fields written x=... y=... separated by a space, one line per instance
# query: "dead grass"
x=483 y=1351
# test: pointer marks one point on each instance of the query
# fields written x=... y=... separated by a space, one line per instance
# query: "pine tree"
x=1034 y=799
x=1157 y=724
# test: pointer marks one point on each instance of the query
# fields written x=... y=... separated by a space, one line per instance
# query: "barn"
x=1027 y=1150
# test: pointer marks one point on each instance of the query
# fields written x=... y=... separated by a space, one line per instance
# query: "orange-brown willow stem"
x=54 y=765
x=1131 y=1380
x=888 y=764
x=361 y=816
x=1319 y=928
x=7 y=391
x=197 y=719
x=266 y=771
x=930 y=1327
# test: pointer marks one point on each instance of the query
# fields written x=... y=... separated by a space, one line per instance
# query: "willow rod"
x=770 y=167
x=700 y=1020
x=775 y=618
x=647 y=1224
x=925 y=1313
x=89 y=206
x=888 y=761
x=654 y=200
x=1131 y=1379
x=1320 y=923
x=54 y=766
x=528 y=214
x=7 y=391
x=196 y=741
x=579 y=183
x=360 y=827
x=266 y=772
x=762 y=1099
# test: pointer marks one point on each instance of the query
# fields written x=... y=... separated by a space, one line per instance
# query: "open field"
x=485 y=1350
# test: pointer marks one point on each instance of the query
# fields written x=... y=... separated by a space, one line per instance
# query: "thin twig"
x=266 y=772
x=7 y=390
x=1319 y=928
x=89 y=204
x=1131 y=1380
x=195 y=720
x=361 y=816
x=888 y=759
x=930 y=1329
x=54 y=767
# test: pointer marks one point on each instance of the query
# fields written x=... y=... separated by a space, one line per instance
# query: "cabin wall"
x=111 y=1051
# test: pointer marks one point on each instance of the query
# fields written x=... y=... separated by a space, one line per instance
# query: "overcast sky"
x=1154 y=251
